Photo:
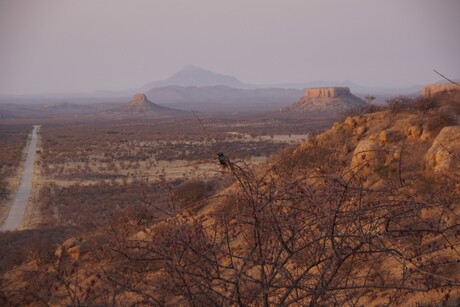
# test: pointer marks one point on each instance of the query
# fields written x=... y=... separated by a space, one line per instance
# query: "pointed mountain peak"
x=191 y=75
x=192 y=68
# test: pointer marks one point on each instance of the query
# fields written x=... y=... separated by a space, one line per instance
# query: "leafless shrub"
x=400 y=104
x=281 y=236
x=192 y=191
x=441 y=117
x=305 y=230
x=361 y=110
x=295 y=238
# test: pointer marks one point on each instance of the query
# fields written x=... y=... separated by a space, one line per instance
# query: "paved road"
x=16 y=214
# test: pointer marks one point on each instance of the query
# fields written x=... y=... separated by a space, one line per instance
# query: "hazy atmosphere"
x=229 y=153
x=82 y=46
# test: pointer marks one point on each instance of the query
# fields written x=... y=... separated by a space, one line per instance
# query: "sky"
x=57 y=46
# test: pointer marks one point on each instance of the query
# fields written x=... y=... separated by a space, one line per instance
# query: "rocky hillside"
x=332 y=100
x=365 y=213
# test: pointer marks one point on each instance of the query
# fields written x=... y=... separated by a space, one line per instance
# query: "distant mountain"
x=219 y=94
x=193 y=76
x=201 y=77
x=196 y=76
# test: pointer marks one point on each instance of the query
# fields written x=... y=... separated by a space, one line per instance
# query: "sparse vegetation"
x=438 y=111
x=13 y=139
x=12 y=142
x=355 y=216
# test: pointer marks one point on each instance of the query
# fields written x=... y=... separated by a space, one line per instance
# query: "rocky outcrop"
x=433 y=89
x=140 y=105
x=414 y=131
x=139 y=100
x=332 y=100
x=366 y=156
x=444 y=154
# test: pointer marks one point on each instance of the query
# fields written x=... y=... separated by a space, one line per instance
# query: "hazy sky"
x=87 y=45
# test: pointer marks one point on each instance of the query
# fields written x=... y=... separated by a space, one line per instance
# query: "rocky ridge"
x=326 y=92
x=384 y=142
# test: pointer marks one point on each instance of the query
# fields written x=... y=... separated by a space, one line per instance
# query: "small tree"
x=369 y=99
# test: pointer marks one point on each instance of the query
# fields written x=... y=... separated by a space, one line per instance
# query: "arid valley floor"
x=132 y=207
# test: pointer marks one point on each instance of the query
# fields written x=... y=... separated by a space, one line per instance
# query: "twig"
x=446 y=149
x=205 y=132
x=446 y=77
x=401 y=181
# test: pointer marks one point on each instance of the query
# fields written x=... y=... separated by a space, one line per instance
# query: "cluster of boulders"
x=379 y=145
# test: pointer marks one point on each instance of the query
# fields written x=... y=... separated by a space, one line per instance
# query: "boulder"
x=444 y=154
x=366 y=157
x=361 y=130
x=414 y=131
x=383 y=136
x=388 y=136
x=350 y=121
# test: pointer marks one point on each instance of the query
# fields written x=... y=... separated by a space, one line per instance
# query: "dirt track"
x=16 y=213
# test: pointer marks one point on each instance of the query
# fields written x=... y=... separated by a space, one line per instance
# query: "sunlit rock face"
x=139 y=100
x=326 y=92
x=444 y=154
x=433 y=89
x=140 y=103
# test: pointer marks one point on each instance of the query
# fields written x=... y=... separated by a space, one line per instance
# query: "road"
x=16 y=213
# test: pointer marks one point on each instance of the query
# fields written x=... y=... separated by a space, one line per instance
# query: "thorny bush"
x=287 y=236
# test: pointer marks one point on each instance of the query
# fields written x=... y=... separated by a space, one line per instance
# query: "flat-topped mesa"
x=326 y=92
x=433 y=89
x=327 y=100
